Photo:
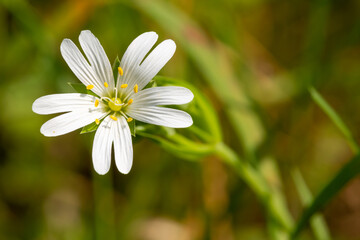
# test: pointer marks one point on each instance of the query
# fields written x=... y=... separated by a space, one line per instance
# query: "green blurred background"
x=266 y=50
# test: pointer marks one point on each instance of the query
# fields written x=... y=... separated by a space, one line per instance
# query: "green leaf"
x=329 y=111
x=115 y=66
x=317 y=221
x=178 y=145
x=89 y=128
x=80 y=88
x=348 y=172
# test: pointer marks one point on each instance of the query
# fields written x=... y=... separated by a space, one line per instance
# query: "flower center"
x=115 y=104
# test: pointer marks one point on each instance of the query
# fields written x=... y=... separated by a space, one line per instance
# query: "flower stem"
x=271 y=199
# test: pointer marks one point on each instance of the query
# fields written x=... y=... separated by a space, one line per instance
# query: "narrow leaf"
x=80 y=88
x=329 y=111
x=317 y=221
x=348 y=172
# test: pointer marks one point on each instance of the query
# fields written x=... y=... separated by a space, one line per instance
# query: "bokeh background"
x=267 y=50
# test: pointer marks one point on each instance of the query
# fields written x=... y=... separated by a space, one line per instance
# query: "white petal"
x=162 y=96
x=69 y=122
x=57 y=103
x=101 y=152
x=133 y=56
x=166 y=117
x=97 y=57
x=123 y=146
x=155 y=62
x=80 y=66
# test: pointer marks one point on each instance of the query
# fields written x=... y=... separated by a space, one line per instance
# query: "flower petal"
x=162 y=96
x=123 y=146
x=166 y=117
x=133 y=56
x=80 y=66
x=97 y=57
x=57 y=103
x=71 y=121
x=155 y=62
x=101 y=153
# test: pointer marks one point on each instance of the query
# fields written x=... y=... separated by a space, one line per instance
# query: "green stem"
x=269 y=198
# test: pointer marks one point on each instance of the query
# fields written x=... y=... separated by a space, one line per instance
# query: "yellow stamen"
x=97 y=121
x=96 y=102
x=106 y=84
x=129 y=119
x=123 y=85
x=136 y=88
x=113 y=117
x=121 y=72
x=88 y=87
x=130 y=101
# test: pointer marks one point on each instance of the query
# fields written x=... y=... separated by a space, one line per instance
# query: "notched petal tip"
x=101 y=171
x=188 y=95
x=149 y=34
x=124 y=171
x=86 y=31
x=48 y=132
x=188 y=122
x=35 y=106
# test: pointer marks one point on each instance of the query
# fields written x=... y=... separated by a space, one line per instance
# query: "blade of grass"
x=348 y=172
x=317 y=221
x=329 y=111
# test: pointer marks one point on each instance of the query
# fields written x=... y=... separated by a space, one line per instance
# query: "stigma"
x=115 y=104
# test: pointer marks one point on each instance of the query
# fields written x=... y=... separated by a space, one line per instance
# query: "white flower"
x=116 y=105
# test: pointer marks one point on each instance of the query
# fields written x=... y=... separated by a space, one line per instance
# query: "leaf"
x=115 y=66
x=330 y=112
x=89 y=128
x=80 y=88
x=317 y=221
x=348 y=172
x=180 y=146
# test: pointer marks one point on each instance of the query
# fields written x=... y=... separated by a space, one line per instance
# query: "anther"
x=130 y=101
x=113 y=117
x=129 y=119
x=88 y=87
x=106 y=84
x=136 y=88
x=123 y=85
x=96 y=102
x=97 y=121
x=121 y=72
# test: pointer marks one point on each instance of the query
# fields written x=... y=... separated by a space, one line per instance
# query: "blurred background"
x=265 y=51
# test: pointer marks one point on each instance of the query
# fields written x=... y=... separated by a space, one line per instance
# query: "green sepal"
x=89 y=128
x=115 y=66
x=132 y=126
x=80 y=88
